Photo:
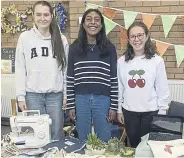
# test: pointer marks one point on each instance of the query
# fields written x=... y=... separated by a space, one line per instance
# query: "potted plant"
x=114 y=146
x=94 y=145
x=127 y=152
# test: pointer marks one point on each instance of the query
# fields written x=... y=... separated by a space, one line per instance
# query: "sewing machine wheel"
x=40 y=121
x=41 y=135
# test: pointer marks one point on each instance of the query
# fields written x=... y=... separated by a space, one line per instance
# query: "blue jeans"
x=51 y=104
x=93 y=108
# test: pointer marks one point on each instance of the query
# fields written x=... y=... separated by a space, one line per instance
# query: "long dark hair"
x=101 y=38
x=57 y=46
x=149 y=49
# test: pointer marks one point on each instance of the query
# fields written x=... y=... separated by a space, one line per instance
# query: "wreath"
x=60 y=14
x=20 y=19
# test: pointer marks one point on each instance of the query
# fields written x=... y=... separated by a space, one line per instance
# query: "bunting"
x=168 y=21
x=179 y=51
x=91 y=6
x=109 y=13
x=161 y=47
x=109 y=25
x=129 y=18
x=123 y=38
x=183 y=20
x=148 y=19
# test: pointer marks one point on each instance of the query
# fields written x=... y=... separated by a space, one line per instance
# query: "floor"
x=5 y=130
x=5 y=126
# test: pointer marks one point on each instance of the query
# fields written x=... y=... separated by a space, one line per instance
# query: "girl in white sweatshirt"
x=142 y=82
x=40 y=67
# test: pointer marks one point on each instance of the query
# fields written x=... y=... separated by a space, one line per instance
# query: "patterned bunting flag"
x=168 y=21
x=129 y=18
x=123 y=37
x=179 y=51
x=161 y=47
x=109 y=25
x=183 y=20
x=148 y=19
x=110 y=13
x=89 y=6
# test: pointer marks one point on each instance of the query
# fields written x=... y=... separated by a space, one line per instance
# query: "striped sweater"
x=92 y=74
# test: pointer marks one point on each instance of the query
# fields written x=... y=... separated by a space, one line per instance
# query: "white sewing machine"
x=40 y=125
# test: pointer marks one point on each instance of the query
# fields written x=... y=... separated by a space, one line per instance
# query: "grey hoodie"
x=36 y=69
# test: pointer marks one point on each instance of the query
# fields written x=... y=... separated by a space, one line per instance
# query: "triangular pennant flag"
x=129 y=18
x=168 y=21
x=148 y=19
x=90 y=6
x=161 y=47
x=179 y=51
x=109 y=25
x=110 y=13
x=123 y=38
x=183 y=20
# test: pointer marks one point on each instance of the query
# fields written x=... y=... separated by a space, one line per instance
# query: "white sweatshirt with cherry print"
x=142 y=85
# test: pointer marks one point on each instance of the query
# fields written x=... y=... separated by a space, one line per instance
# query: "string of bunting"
x=148 y=19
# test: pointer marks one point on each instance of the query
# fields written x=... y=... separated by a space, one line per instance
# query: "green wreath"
x=20 y=20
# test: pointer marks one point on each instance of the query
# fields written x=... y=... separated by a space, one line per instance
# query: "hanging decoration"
x=88 y=6
x=109 y=13
x=60 y=14
x=183 y=20
x=129 y=17
x=161 y=47
x=20 y=20
x=179 y=51
x=109 y=25
x=123 y=38
x=168 y=21
x=148 y=20
x=20 y=25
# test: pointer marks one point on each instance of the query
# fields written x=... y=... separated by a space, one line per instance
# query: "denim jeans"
x=93 y=108
x=51 y=104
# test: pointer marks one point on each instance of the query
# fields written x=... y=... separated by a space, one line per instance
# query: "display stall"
x=30 y=137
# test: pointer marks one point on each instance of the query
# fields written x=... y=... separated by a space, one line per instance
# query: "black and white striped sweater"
x=92 y=74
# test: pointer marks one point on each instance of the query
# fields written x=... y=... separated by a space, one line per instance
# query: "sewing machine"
x=31 y=119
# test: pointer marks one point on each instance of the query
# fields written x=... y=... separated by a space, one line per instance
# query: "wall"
x=76 y=9
x=10 y=40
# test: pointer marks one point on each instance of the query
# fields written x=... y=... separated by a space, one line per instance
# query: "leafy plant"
x=114 y=145
x=95 y=142
x=113 y=140
x=127 y=152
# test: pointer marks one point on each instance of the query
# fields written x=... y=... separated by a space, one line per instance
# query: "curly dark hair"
x=149 y=49
x=101 y=37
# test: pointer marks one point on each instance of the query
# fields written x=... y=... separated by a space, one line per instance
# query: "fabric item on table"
x=68 y=144
x=173 y=148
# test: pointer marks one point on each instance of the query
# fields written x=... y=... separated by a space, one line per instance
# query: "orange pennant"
x=110 y=13
x=161 y=47
x=183 y=20
x=123 y=38
x=148 y=19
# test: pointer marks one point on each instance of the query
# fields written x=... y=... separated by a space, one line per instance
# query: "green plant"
x=114 y=145
x=95 y=142
x=127 y=152
x=113 y=140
